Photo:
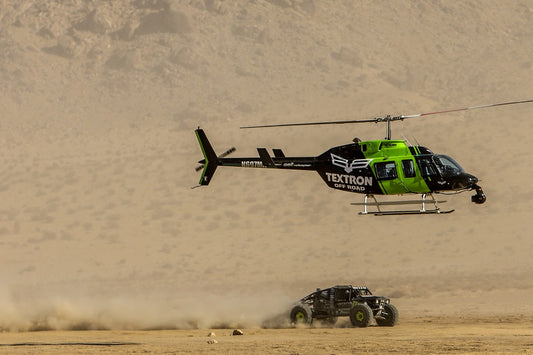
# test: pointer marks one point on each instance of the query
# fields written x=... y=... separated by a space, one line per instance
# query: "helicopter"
x=374 y=167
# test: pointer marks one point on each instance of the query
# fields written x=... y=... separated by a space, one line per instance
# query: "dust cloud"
x=186 y=308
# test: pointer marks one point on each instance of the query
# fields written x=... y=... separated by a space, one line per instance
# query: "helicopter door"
x=387 y=176
x=412 y=182
x=429 y=172
x=426 y=168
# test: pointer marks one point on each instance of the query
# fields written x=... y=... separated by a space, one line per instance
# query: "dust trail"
x=179 y=309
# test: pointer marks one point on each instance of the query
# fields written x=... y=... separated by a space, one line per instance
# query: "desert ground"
x=102 y=238
x=415 y=336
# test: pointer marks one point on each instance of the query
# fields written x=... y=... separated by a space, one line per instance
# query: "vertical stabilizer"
x=211 y=160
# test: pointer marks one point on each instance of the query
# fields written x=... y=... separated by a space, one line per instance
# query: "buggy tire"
x=301 y=314
x=390 y=318
x=361 y=315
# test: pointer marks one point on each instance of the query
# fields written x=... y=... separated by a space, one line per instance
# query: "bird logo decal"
x=346 y=165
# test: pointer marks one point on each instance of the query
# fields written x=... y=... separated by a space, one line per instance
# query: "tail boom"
x=211 y=161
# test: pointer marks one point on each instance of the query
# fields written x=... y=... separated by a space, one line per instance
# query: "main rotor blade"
x=387 y=118
x=315 y=123
x=468 y=108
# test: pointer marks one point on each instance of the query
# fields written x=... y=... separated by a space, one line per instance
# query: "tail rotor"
x=225 y=154
x=211 y=161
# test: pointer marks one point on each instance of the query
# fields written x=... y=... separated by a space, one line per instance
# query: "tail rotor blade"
x=227 y=152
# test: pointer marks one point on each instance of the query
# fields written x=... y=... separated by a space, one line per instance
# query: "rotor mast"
x=388 y=119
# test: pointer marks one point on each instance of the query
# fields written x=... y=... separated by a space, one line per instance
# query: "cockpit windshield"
x=447 y=166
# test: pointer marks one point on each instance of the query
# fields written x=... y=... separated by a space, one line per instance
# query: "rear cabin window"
x=386 y=171
x=408 y=168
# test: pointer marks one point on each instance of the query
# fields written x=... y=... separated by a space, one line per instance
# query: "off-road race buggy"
x=326 y=305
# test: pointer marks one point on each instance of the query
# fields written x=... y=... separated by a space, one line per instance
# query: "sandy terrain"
x=415 y=336
x=99 y=226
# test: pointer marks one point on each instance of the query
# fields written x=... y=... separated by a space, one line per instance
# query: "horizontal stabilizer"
x=265 y=157
x=278 y=153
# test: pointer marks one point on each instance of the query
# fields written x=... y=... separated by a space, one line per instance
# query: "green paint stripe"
x=205 y=157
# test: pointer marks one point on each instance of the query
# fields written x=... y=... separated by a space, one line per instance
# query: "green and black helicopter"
x=375 y=167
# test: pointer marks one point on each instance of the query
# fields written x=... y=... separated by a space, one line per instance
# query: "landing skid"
x=398 y=213
x=423 y=210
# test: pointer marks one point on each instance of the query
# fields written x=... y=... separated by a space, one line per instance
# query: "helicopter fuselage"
x=387 y=167
x=378 y=167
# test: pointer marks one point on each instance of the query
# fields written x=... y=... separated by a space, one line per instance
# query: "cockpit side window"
x=386 y=170
x=408 y=168
x=426 y=167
